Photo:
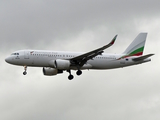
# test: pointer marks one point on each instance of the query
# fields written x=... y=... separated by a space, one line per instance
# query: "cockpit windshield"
x=15 y=54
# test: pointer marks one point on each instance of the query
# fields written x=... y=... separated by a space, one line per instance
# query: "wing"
x=82 y=59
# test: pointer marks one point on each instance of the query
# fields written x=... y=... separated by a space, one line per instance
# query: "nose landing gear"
x=25 y=70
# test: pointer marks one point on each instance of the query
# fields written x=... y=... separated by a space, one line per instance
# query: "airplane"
x=55 y=62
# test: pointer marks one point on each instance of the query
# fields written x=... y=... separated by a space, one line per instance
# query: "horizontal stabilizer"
x=142 y=57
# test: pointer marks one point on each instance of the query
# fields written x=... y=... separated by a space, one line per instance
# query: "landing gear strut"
x=70 y=77
x=25 y=70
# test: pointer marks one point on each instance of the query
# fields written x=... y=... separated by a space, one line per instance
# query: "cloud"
x=46 y=21
x=128 y=93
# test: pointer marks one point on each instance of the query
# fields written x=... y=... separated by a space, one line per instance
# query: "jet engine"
x=62 y=64
x=51 y=71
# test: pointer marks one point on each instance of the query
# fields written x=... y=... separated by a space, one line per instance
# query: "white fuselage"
x=55 y=62
x=41 y=58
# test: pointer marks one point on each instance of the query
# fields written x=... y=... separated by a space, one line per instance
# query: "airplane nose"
x=7 y=60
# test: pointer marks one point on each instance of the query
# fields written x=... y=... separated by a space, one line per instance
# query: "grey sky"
x=126 y=94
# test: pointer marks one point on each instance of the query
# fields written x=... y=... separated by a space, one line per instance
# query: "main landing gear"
x=25 y=70
x=70 y=77
x=79 y=72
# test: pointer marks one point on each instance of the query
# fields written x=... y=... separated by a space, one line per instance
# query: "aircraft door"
x=26 y=55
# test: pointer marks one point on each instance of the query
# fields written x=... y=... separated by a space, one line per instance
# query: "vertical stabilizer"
x=137 y=46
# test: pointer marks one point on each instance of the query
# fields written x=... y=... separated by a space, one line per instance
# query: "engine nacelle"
x=51 y=71
x=62 y=64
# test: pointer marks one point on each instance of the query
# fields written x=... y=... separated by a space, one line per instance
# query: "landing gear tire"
x=24 y=73
x=79 y=72
x=70 y=77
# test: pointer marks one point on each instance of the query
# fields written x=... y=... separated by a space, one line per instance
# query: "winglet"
x=113 y=40
x=110 y=44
